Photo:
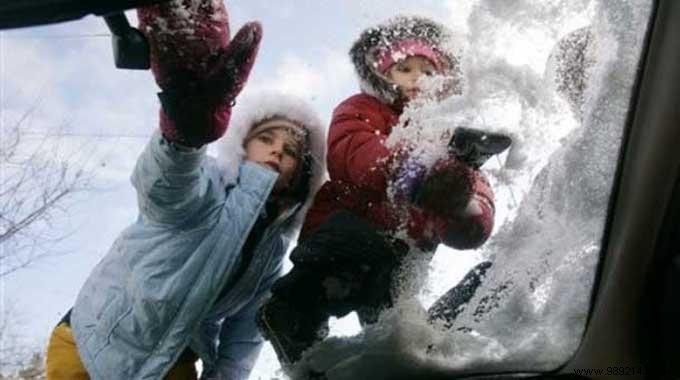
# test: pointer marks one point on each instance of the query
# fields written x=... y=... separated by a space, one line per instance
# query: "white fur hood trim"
x=255 y=108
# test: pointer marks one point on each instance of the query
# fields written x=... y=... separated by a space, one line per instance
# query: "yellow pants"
x=63 y=360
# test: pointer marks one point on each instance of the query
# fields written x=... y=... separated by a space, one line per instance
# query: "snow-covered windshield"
x=554 y=75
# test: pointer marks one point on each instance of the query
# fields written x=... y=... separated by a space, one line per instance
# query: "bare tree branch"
x=36 y=179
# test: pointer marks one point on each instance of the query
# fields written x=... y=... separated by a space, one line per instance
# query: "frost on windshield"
x=552 y=191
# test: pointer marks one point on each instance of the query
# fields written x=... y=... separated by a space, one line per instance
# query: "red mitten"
x=446 y=189
x=200 y=71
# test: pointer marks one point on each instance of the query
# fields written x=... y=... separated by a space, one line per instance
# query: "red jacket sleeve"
x=356 y=143
x=471 y=229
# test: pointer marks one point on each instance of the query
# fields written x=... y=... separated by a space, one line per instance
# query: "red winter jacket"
x=358 y=163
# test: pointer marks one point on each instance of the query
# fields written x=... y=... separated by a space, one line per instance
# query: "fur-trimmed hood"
x=381 y=37
x=255 y=108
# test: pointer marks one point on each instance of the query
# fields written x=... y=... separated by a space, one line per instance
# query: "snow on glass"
x=530 y=312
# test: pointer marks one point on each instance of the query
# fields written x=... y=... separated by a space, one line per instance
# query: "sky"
x=103 y=116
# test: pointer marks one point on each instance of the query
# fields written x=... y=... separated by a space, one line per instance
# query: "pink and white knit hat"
x=402 y=49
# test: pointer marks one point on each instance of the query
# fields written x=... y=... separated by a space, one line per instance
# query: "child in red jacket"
x=358 y=232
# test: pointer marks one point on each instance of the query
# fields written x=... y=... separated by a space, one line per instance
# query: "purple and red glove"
x=456 y=198
x=445 y=189
x=474 y=224
x=199 y=70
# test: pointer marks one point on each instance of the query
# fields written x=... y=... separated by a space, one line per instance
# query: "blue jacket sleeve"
x=169 y=181
x=240 y=341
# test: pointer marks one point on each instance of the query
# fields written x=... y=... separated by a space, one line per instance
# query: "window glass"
x=558 y=79
x=554 y=75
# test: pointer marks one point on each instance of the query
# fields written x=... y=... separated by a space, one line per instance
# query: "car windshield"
x=555 y=77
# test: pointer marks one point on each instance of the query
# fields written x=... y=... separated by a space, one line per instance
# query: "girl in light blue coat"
x=186 y=279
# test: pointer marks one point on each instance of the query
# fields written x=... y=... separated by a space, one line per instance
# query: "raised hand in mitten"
x=197 y=66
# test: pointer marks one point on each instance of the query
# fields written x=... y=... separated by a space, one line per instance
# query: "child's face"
x=277 y=149
x=406 y=73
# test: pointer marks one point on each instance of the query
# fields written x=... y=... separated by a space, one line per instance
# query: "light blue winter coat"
x=156 y=290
